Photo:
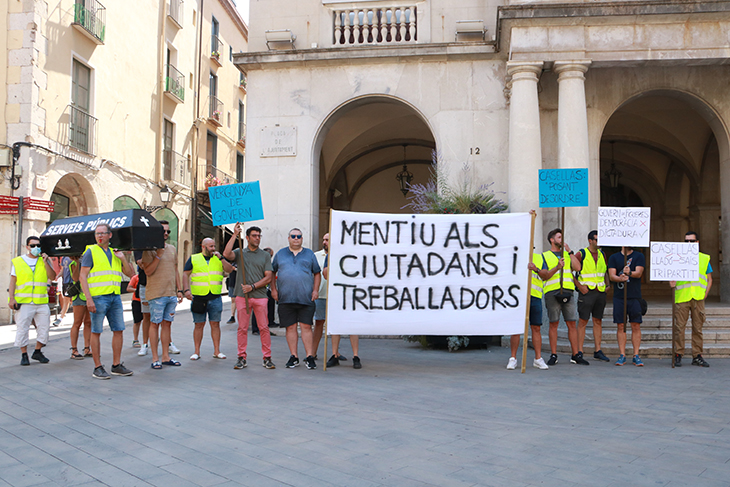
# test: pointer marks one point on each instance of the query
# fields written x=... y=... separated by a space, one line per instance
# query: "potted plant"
x=211 y=180
x=464 y=196
x=217 y=115
x=215 y=55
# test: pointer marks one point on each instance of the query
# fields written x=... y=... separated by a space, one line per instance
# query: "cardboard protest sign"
x=428 y=274
x=674 y=261
x=561 y=188
x=231 y=203
x=627 y=227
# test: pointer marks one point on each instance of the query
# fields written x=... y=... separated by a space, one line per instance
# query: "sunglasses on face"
x=295 y=237
x=32 y=246
x=166 y=232
x=690 y=241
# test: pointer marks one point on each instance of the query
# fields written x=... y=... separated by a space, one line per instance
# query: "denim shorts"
x=162 y=309
x=213 y=310
x=535 y=311
x=109 y=306
x=145 y=304
x=320 y=312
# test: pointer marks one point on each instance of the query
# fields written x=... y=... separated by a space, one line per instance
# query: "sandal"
x=75 y=355
x=156 y=365
x=172 y=362
x=135 y=344
x=87 y=352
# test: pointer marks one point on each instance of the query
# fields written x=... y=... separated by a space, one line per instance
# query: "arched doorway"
x=126 y=203
x=362 y=147
x=73 y=196
x=660 y=149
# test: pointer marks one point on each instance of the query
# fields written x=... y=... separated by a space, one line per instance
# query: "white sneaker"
x=173 y=349
x=143 y=350
x=512 y=363
x=539 y=363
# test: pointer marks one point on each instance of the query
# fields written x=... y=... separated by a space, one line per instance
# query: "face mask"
x=35 y=251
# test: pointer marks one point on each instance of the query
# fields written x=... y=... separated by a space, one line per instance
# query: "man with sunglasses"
x=296 y=288
x=164 y=292
x=591 y=284
x=29 y=297
x=250 y=293
x=690 y=297
x=101 y=280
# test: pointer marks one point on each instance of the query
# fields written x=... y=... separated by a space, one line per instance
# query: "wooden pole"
x=562 y=221
x=626 y=294
x=529 y=294
x=326 y=309
x=674 y=304
x=243 y=267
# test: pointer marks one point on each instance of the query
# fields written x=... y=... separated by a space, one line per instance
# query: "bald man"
x=203 y=285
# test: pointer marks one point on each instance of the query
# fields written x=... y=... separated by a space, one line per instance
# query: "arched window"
x=126 y=203
x=169 y=215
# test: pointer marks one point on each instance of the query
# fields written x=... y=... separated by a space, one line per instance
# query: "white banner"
x=675 y=261
x=623 y=227
x=393 y=274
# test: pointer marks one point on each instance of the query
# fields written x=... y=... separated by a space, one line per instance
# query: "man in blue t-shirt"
x=629 y=276
x=296 y=287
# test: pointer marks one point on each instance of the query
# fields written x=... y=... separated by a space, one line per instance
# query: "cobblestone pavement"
x=410 y=417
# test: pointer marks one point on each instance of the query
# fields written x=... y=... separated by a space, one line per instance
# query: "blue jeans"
x=162 y=309
x=109 y=306
x=213 y=310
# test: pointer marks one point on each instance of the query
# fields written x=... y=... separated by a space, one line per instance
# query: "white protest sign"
x=427 y=274
x=674 y=261
x=623 y=227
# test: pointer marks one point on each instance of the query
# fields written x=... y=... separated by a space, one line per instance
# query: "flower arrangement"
x=211 y=180
x=440 y=196
x=243 y=82
x=217 y=114
x=215 y=54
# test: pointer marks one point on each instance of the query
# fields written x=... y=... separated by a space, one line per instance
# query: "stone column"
x=525 y=154
x=573 y=142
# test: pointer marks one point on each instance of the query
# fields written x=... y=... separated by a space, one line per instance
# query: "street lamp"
x=404 y=177
x=614 y=174
x=165 y=196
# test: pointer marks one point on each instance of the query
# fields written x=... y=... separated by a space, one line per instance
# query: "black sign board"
x=131 y=230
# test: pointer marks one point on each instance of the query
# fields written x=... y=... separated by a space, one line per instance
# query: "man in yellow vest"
x=535 y=319
x=203 y=284
x=591 y=285
x=101 y=280
x=690 y=296
x=29 y=297
x=556 y=268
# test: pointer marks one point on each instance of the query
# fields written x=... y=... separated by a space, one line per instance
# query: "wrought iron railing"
x=210 y=175
x=176 y=11
x=81 y=130
x=215 y=109
x=175 y=82
x=216 y=48
x=242 y=133
x=176 y=167
x=91 y=15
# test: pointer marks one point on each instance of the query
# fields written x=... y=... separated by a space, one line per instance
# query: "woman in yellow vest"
x=28 y=295
x=81 y=314
x=690 y=297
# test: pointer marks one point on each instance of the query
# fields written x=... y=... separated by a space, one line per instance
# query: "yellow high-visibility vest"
x=686 y=291
x=593 y=274
x=30 y=286
x=537 y=284
x=554 y=282
x=81 y=295
x=206 y=277
x=104 y=278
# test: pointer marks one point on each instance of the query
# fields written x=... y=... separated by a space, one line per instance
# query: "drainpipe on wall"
x=161 y=93
x=196 y=131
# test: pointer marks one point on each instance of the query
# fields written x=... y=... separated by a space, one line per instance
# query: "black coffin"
x=131 y=230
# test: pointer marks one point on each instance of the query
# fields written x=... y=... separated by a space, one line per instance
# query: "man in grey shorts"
x=559 y=295
x=591 y=284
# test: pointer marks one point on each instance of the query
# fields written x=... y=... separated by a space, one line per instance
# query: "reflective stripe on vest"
x=554 y=282
x=593 y=273
x=686 y=291
x=206 y=277
x=536 y=289
x=104 y=278
x=30 y=286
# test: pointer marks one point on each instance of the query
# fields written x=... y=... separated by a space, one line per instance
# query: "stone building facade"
x=107 y=105
x=635 y=91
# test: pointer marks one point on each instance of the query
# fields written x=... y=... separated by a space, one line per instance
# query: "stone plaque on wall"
x=278 y=141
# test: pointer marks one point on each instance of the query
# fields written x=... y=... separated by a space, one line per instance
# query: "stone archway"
x=75 y=195
x=664 y=146
x=360 y=149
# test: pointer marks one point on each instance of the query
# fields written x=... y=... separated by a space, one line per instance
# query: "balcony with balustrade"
x=81 y=130
x=175 y=12
x=176 y=168
x=90 y=20
x=241 y=135
x=216 y=49
x=375 y=26
x=174 y=84
x=215 y=111
x=210 y=175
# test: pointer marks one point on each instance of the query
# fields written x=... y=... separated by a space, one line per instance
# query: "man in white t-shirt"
x=29 y=297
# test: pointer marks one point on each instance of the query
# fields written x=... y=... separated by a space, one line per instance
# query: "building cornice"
x=605 y=9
